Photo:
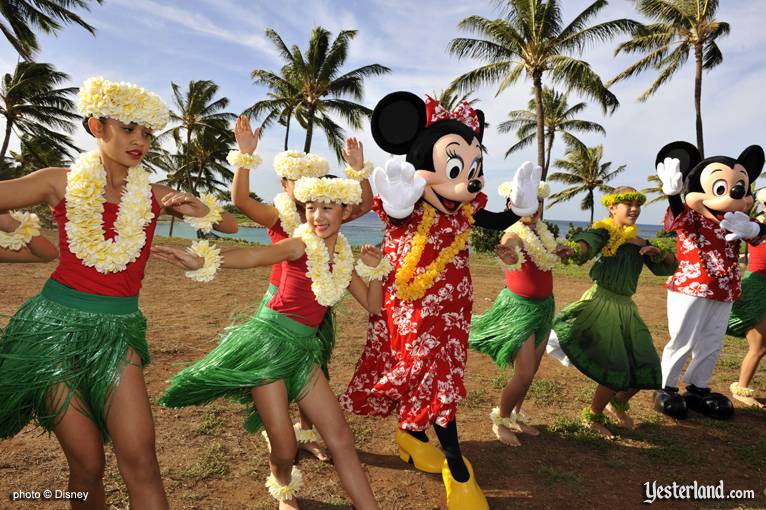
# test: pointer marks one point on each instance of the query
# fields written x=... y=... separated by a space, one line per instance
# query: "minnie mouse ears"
x=396 y=121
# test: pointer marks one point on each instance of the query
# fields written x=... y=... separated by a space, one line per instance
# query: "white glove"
x=398 y=187
x=740 y=225
x=671 y=176
x=524 y=189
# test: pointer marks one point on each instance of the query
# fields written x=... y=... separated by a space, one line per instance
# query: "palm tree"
x=654 y=189
x=681 y=27
x=323 y=89
x=197 y=111
x=34 y=104
x=450 y=99
x=559 y=118
x=20 y=17
x=530 y=39
x=284 y=99
x=584 y=172
x=36 y=153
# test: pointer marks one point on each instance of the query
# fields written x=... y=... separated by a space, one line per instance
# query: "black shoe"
x=711 y=404
x=668 y=402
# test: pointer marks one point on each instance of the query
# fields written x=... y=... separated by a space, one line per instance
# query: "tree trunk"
x=698 y=97
x=7 y=139
x=309 y=130
x=287 y=131
x=592 y=206
x=172 y=224
x=187 y=164
x=548 y=149
x=540 y=123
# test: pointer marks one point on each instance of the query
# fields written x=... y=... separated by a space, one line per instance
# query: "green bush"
x=573 y=231
x=484 y=240
x=553 y=228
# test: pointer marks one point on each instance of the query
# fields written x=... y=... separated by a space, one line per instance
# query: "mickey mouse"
x=416 y=350
x=710 y=221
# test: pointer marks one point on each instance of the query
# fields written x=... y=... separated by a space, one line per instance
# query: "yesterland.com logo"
x=694 y=491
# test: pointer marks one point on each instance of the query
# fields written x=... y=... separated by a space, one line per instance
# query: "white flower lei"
x=212 y=256
x=85 y=199
x=540 y=247
x=125 y=102
x=288 y=213
x=29 y=227
x=328 y=286
x=294 y=165
x=206 y=222
x=379 y=272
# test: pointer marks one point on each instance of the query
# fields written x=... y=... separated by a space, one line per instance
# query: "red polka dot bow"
x=464 y=113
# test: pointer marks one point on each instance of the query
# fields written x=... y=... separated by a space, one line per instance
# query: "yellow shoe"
x=463 y=495
x=424 y=456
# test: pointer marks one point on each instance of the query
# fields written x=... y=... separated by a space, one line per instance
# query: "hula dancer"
x=602 y=334
x=285 y=216
x=748 y=319
x=514 y=331
x=20 y=239
x=72 y=357
x=275 y=357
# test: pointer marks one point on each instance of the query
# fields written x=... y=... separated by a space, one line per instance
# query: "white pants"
x=554 y=349
x=697 y=326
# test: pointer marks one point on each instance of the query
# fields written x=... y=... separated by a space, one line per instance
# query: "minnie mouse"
x=416 y=348
x=710 y=221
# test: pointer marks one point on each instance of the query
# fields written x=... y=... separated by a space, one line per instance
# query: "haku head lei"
x=619 y=198
x=506 y=188
x=293 y=165
x=122 y=101
x=341 y=191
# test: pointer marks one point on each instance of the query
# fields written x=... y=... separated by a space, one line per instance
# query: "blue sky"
x=155 y=43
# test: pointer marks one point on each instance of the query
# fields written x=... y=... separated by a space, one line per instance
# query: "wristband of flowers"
x=520 y=259
x=213 y=259
x=206 y=222
x=29 y=227
x=379 y=272
x=359 y=175
x=242 y=160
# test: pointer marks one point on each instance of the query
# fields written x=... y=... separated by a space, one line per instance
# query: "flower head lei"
x=122 y=101
x=506 y=188
x=619 y=198
x=315 y=189
x=293 y=165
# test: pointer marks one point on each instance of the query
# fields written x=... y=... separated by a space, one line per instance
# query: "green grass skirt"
x=268 y=347
x=502 y=330
x=70 y=338
x=750 y=309
x=606 y=339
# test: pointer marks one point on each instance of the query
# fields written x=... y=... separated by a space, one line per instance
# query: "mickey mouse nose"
x=474 y=186
x=736 y=192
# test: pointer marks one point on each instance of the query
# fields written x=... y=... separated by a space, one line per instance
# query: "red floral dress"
x=707 y=263
x=416 y=351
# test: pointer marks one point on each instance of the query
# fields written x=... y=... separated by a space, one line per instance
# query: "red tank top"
x=276 y=234
x=294 y=297
x=530 y=281
x=72 y=273
x=757 y=258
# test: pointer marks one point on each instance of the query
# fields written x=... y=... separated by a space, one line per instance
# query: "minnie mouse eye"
x=720 y=187
x=454 y=167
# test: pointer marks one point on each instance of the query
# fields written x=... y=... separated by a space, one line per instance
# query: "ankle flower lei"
x=285 y=492
x=288 y=213
x=617 y=235
x=508 y=422
x=85 y=208
x=212 y=256
x=205 y=223
x=540 y=246
x=416 y=289
x=29 y=227
x=328 y=286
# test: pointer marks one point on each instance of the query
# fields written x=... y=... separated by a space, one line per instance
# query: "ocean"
x=367 y=229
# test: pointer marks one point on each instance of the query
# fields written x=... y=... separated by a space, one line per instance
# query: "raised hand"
x=178 y=257
x=740 y=226
x=398 y=187
x=508 y=253
x=353 y=153
x=669 y=172
x=370 y=255
x=247 y=139
x=524 y=189
x=184 y=203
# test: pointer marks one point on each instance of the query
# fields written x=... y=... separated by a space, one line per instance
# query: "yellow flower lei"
x=288 y=213
x=540 y=247
x=85 y=208
x=206 y=222
x=617 y=198
x=617 y=235
x=416 y=289
x=29 y=227
x=328 y=286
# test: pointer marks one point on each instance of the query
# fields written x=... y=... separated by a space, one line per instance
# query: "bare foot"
x=749 y=401
x=599 y=429
x=290 y=504
x=523 y=428
x=505 y=435
x=622 y=419
x=313 y=448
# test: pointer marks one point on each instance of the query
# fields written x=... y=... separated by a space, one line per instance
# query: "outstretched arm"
x=238 y=258
x=179 y=202
x=44 y=186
